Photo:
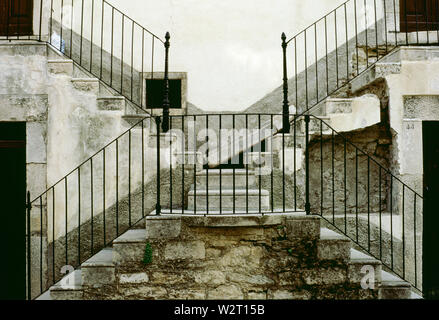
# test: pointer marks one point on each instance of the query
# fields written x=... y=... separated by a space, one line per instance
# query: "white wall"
x=230 y=48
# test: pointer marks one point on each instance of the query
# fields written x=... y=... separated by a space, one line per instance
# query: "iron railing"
x=345 y=43
x=211 y=164
x=104 y=41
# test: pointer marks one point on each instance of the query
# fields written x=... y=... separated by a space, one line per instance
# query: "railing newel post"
x=285 y=105
x=166 y=102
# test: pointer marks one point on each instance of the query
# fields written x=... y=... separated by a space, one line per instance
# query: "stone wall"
x=270 y=257
x=359 y=178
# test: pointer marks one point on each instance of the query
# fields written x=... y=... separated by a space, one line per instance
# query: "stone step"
x=339 y=105
x=99 y=270
x=394 y=288
x=111 y=103
x=129 y=247
x=359 y=266
x=69 y=288
x=333 y=246
x=227 y=196
x=60 y=66
x=90 y=85
x=213 y=177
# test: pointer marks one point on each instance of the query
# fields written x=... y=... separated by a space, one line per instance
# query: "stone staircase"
x=241 y=257
x=107 y=99
x=227 y=190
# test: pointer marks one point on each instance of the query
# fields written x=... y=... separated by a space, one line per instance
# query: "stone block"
x=307 y=227
x=113 y=103
x=130 y=247
x=185 y=250
x=256 y=295
x=210 y=277
x=242 y=256
x=244 y=279
x=143 y=292
x=133 y=278
x=90 y=85
x=226 y=292
x=325 y=276
x=63 y=67
x=163 y=227
x=333 y=246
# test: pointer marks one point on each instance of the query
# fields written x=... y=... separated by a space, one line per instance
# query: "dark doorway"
x=419 y=15
x=16 y=17
x=431 y=210
x=13 y=212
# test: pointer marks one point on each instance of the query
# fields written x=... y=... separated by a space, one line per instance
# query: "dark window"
x=419 y=15
x=155 y=91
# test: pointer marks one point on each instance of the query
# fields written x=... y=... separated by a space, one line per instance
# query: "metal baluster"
x=117 y=187
x=260 y=162
x=333 y=178
x=368 y=202
x=307 y=202
x=336 y=46
x=347 y=41
x=182 y=167
x=158 y=208
x=316 y=62
x=112 y=46
x=285 y=105
x=82 y=32
x=321 y=167
x=366 y=28
x=356 y=37
x=29 y=257
x=91 y=34
x=207 y=166
x=122 y=54
x=170 y=168
x=53 y=235
x=66 y=220
x=381 y=213
x=129 y=178
x=391 y=220
x=132 y=58
x=356 y=194
x=91 y=207
x=221 y=170
x=403 y=231
x=345 y=187
x=195 y=166
x=79 y=215
x=143 y=167
x=416 y=256
x=271 y=172
x=246 y=166
x=103 y=198
x=41 y=243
